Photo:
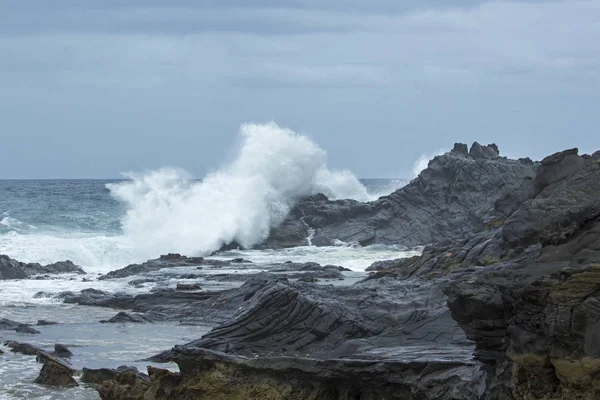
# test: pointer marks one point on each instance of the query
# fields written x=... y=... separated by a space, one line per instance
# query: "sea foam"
x=167 y=211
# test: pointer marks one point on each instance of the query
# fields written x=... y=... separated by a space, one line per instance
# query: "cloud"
x=494 y=42
x=344 y=68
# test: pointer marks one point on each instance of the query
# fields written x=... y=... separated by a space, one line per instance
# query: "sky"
x=94 y=88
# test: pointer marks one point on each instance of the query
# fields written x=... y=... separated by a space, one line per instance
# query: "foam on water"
x=353 y=257
x=94 y=252
x=166 y=212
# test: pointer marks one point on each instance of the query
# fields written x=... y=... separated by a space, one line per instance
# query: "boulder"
x=12 y=269
x=54 y=374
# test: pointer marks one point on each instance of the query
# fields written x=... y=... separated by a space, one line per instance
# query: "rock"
x=451 y=199
x=98 y=298
x=6 y=324
x=99 y=376
x=54 y=374
x=234 y=378
x=165 y=261
x=125 y=386
x=43 y=357
x=188 y=287
x=12 y=269
x=123 y=317
x=27 y=329
x=62 y=351
x=517 y=288
x=460 y=148
x=479 y=152
x=23 y=348
x=43 y=322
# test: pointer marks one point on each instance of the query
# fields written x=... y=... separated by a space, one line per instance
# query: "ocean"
x=97 y=225
x=104 y=225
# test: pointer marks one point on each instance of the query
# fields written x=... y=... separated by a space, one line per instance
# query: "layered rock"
x=451 y=199
x=164 y=262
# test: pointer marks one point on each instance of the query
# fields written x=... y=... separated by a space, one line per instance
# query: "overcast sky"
x=92 y=88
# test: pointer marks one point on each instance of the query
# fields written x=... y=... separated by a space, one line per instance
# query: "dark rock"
x=43 y=357
x=43 y=322
x=12 y=269
x=451 y=199
x=167 y=261
x=98 y=298
x=479 y=152
x=460 y=148
x=125 y=386
x=6 y=324
x=27 y=329
x=140 y=282
x=123 y=317
x=519 y=281
x=188 y=287
x=62 y=351
x=22 y=348
x=99 y=376
x=54 y=374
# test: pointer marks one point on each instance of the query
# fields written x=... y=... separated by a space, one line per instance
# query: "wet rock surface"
x=167 y=261
x=12 y=269
x=55 y=374
x=6 y=324
x=503 y=302
x=451 y=199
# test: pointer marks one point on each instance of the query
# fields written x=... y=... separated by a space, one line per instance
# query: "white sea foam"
x=423 y=161
x=241 y=202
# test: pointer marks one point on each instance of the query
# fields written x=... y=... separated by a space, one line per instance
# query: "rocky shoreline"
x=503 y=302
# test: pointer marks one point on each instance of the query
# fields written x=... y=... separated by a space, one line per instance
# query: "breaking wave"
x=168 y=211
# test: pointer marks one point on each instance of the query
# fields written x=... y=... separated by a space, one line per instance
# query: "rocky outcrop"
x=12 y=269
x=167 y=261
x=453 y=198
x=211 y=375
x=513 y=279
x=6 y=324
x=55 y=374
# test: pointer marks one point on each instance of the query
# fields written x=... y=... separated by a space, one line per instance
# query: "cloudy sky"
x=92 y=88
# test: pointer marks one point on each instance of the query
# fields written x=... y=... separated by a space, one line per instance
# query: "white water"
x=423 y=161
x=238 y=203
x=168 y=212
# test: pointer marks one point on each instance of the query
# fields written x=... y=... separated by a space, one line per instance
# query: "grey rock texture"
x=166 y=261
x=6 y=324
x=12 y=269
x=452 y=198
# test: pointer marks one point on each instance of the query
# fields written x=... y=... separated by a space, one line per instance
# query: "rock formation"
x=12 y=269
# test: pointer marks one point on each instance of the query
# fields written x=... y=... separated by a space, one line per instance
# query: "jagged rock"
x=62 y=351
x=188 y=287
x=166 y=261
x=12 y=269
x=123 y=317
x=22 y=348
x=27 y=329
x=218 y=376
x=54 y=374
x=43 y=322
x=125 y=386
x=6 y=324
x=99 y=376
x=453 y=198
x=98 y=298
